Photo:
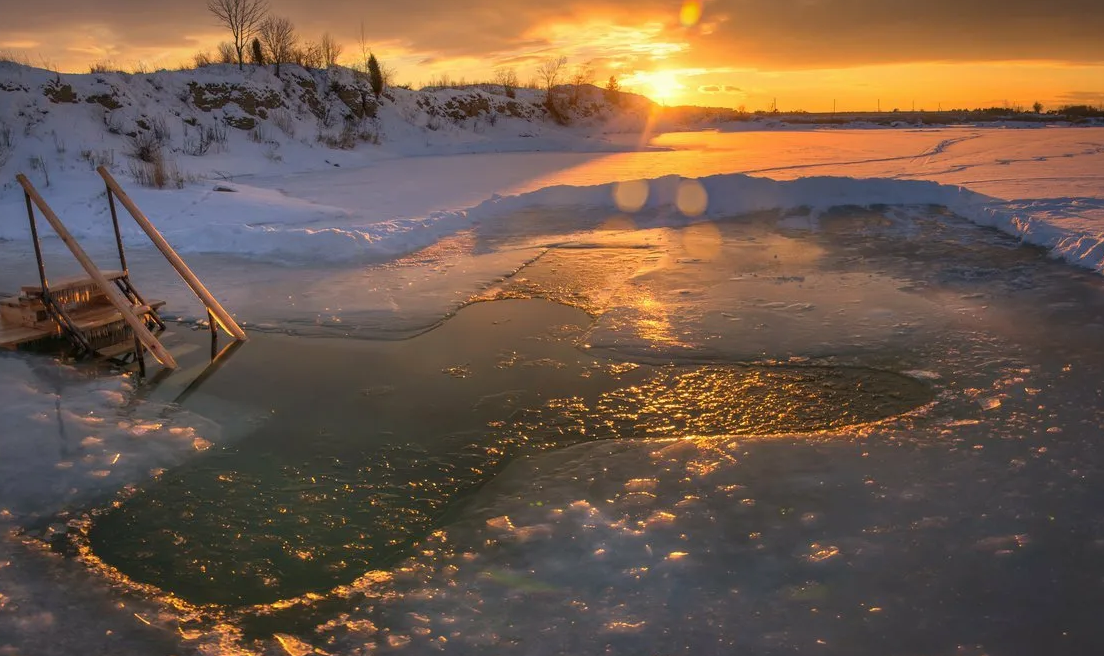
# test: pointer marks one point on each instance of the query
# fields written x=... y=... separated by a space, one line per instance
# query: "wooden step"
x=60 y=285
x=12 y=336
x=117 y=350
x=98 y=316
x=31 y=313
x=13 y=312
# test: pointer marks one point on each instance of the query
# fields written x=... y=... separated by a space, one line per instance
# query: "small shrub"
x=204 y=139
x=344 y=140
x=258 y=135
x=38 y=164
x=326 y=118
x=227 y=54
x=160 y=129
x=157 y=174
x=354 y=132
x=557 y=111
x=7 y=143
x=283 y=120
x=97 y=158
x=111 y=122
x=59 y=143
x=12 y=57
x=409 y=114
x=196 y=144
x=217 y=133
x=144 y=146
x=101 y=67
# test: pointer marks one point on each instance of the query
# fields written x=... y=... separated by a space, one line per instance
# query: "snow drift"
x=662 y=202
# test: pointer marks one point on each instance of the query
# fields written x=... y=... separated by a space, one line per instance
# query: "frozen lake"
x=826 y=431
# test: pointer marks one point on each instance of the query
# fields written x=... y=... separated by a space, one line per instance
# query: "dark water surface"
x=879 y=437
x=370 y=443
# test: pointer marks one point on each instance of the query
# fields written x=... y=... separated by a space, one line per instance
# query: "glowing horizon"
x=755 y=55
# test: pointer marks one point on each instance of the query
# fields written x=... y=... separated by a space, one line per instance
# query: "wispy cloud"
x=616 y=35
x=719 y=88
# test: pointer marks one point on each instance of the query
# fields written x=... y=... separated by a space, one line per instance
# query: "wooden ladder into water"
x=102 y=313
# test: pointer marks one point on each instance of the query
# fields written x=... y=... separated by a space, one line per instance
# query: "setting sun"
x=660 y=86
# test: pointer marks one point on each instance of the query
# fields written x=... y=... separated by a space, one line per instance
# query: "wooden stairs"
x=26 y=319
x=100 y=313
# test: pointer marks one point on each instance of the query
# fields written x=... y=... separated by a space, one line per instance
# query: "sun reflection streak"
x=654 y=322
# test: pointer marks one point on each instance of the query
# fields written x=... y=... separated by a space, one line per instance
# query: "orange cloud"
x=719 y=88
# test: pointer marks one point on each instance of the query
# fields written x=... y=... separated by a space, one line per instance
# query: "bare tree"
x=331 y=49
x=508 y=78
x=365 y=52
x=309 y=55
x=226 y=53
x=389 y=74
x=242 y=18
x=583 y=75
x=277 y=35
x=549 y=73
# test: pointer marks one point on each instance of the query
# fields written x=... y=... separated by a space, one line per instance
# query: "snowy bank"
x=265 y=224
x=665 y=201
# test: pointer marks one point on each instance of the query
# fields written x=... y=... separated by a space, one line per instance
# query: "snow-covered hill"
x=324 y=171
x=221 y=121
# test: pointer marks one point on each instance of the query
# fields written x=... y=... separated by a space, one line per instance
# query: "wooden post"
x=109 y=290
x=221 y=315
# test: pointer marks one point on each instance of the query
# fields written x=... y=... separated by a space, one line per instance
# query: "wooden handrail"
x=109 y=290
x=222 y=317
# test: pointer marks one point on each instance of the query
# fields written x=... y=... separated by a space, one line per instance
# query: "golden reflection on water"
x=654 y=322
x=340 y=521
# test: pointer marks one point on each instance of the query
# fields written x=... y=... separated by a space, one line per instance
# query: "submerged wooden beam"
x=109 y=290
x=222 y=317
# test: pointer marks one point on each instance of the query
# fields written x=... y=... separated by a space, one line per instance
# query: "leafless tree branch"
x=242 y=18
x=277 y=35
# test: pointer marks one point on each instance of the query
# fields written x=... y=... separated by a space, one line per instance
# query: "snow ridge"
x=729 y=195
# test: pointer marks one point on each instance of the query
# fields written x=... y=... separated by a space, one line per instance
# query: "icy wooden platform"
x=25 y=319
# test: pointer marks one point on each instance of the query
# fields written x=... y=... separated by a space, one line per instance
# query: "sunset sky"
x=805 y=53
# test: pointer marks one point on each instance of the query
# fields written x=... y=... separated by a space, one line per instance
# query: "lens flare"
x=690 y=13
x=691 y=198
x=630 y=196
x=702 y=241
